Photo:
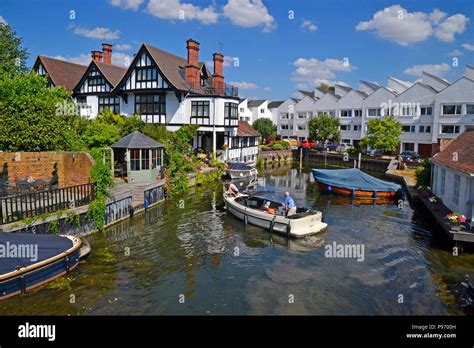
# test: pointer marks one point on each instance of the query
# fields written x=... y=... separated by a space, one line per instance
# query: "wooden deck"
x=136 y=189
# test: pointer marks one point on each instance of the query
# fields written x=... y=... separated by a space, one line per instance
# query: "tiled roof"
x=112 y=73
x=459 y=154
x=62 y=73
x=275 y=104
x=136 y=140
x=246 y=130
x=255 y=103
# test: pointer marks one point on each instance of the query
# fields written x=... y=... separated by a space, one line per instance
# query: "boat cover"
x=238 y=166
x=46 y=245
x=353 y=179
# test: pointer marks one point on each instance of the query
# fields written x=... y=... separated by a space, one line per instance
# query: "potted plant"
x=455 y=219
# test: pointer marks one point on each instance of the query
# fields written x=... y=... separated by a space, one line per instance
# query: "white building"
x=453 y=175
x=285 y=120
x=259 y=109
x=273 y=107
x=349 y=111
x=244 y=112
x=304 y=111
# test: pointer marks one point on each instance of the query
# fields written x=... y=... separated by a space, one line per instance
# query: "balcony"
x=227 y=90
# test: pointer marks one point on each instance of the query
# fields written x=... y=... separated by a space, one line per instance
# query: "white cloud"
x=229 y=61
x=119 y=59
x=97 y=33
x=451 y=26
x=396 y=24
x=456 y=52
x=123 y=47
x=312 y=72
x=309 y=25
x=127 y=4
x=435 y=69
x=3 y=20
x=267 y=89
x=249 y=14
x=244 y=85
x=467 y=46
x=175 y=10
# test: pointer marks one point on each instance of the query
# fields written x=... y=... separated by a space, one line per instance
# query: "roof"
x=246 y=130
x=374 y=86
x=275 y=104
x=445 y=82
x=307 y=93
x=112 y=73
x=136 y=140
x=296 y=100
x=62 y=73
x=362 y=93
x=255 y=103
x=345 y=88
x=462 y=146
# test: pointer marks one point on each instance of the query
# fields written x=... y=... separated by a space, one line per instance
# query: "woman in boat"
x=231 y=189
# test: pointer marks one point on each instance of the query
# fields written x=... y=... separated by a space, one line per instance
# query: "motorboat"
x=266 y=211
x=237 y=170
x=31 y=260
x=356 y=183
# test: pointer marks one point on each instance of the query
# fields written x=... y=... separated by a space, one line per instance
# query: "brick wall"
x=73 y=167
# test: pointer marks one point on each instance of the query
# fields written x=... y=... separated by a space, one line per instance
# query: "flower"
x=456 y=218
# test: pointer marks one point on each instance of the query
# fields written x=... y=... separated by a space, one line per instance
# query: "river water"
x=188 y=256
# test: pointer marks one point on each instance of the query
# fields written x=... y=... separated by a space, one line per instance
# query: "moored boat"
x=354 y=182
x=266 y=211
x=31 y=260
x=236 y=170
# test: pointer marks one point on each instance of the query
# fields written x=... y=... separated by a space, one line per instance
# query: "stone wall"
x=73 y=167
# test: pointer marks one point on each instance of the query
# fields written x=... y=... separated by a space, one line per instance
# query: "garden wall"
x=73 y=167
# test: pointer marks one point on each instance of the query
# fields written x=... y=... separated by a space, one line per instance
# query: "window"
x=252 y=141
x=150 y=104
x=200 y=112
x=95 y=79
x=443 y=181
x=346 y=141
x=230 y=110
x=358 y=113
x=283 y=126
x=245 y=142
x=408 y=147
x=346 y=113
x=408 y=129
x=345 y=127
x=301 y=127
x=452 y=109
x=301 y=115
x=235 y=142
x=241 y=109
x=425 y=129
x=284 y=116
x=408 y=109
x=145 y=73
x=470 y=109
x=134 y=159
x=357 y=127
x=262 y=111
x=155 y=158
x=457 y=187
x=447 y=129
x=112 y=103
x=145 y=159
x=426 y=111
x=373 y=112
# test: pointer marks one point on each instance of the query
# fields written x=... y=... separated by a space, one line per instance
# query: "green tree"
x=30 y=119
x=12 y=55
x=383 y=133
x=324 y=127
x=327 y=88
x=265 y=127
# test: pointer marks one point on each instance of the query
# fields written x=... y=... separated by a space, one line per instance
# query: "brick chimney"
x=96 y=56
x=192 y=67
x=107 y=49
x=218 y=76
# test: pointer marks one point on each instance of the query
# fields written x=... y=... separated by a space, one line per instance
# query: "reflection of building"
x=293 y=181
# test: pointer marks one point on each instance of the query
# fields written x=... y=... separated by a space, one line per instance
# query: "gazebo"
x=137 y=157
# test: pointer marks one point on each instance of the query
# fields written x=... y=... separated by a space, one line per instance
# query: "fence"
x=19 y=207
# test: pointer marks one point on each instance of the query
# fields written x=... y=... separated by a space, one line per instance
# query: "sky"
x=272 y=48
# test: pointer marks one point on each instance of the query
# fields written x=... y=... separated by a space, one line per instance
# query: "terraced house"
x=432 y=111
x=161 y=88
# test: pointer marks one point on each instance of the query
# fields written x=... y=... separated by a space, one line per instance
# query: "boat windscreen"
x=270 y=196
x=18 y=250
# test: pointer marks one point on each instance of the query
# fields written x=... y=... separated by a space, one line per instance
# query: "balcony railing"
x=227 y=90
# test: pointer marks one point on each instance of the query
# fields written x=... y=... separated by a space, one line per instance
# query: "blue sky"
x=279 y=45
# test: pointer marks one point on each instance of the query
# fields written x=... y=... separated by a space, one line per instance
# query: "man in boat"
x=290 y=205
x=232 y=190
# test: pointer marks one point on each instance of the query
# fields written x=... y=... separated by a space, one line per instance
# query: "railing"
x=227 y=90
x=153 y=195
x=19 y=207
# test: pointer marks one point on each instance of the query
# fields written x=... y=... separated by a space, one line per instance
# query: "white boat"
x=237 y=170
x=261 y=210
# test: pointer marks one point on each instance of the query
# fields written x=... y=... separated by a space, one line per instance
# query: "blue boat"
x=354 y=182
x=31 y=260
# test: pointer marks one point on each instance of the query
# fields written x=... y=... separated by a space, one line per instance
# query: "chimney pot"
x=107 y=49
x=96 y=56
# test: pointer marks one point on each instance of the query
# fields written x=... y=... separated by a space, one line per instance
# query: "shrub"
x=423 y=173
x=277 y=147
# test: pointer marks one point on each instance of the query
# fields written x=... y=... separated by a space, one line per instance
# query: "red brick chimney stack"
x=192 y=67
x=107 y=49
x=218 y=76
x=96 y=56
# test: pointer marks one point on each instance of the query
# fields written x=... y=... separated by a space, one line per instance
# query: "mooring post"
x=360 y=159
x=301 y=157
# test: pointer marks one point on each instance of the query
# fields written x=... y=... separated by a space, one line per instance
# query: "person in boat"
x=290 y=206
x=231 y=189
